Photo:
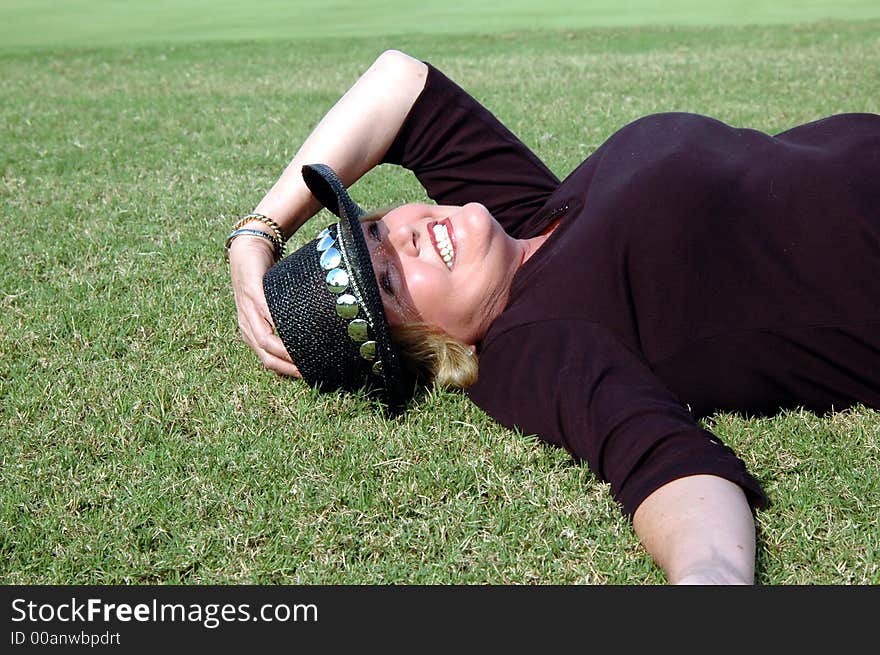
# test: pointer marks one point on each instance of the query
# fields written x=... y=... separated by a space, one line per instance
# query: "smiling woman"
x=446 y=266
x=429 y=355
x=685 y=267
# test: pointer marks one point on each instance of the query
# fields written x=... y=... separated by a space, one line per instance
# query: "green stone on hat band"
x=359 y=330
x=337 y=280
x=368 y=350
x=347 y=306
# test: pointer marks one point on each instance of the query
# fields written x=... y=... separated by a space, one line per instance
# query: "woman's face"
x=446 y=266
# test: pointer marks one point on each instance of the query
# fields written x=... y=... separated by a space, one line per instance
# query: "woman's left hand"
x=249 y=259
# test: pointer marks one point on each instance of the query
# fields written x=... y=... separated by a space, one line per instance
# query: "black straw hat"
x=326 y=305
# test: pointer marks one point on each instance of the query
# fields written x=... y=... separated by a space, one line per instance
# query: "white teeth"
x=444 y=244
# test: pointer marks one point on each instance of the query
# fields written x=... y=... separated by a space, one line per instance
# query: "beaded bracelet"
x=255 y=233
x=276 y=229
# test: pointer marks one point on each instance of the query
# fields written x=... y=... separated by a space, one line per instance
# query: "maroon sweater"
x=697 y=268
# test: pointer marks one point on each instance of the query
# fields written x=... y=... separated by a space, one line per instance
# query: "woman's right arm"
x=699 y=529
x=352 y=138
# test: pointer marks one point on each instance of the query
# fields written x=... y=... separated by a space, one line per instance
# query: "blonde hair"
x=434 y=357
x=427 y=352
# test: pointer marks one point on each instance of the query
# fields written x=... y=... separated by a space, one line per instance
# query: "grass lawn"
x=98 y=23
x=143 y=443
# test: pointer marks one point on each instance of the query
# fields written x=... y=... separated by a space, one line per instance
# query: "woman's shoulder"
x=675 y=131
x=683 y=130
x=674 y=122
x=671 y=152
x=661 y=152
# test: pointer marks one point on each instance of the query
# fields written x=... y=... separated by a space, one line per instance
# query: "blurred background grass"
x=98 y=23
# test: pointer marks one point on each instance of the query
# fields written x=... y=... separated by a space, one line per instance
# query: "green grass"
x=98 y=23
x=140 y=440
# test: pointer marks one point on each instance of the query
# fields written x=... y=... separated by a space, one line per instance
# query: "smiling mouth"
x=442 y=238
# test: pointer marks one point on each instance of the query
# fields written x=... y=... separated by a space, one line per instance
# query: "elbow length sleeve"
x=579 y=387
x=640 y=446
x=638 y=437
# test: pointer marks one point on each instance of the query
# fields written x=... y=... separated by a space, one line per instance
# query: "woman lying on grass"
x=685 y=267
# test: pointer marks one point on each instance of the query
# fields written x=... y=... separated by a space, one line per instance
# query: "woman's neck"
x=532 y=245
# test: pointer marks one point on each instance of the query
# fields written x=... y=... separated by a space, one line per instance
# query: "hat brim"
x=329 y=190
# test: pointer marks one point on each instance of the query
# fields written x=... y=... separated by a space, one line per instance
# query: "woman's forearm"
x=351 y=138
x=699 y=529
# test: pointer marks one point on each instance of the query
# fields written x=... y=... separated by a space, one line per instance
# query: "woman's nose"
x=405 y=238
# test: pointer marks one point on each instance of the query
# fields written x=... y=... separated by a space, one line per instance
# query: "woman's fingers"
x=258 y=334
x=270 y=349
x=280 y=366
x=249 y=261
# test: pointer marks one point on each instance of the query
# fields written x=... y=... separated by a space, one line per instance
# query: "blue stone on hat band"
x=330 y=259
x=337 y=280
x=347 y=306
x=325 y=242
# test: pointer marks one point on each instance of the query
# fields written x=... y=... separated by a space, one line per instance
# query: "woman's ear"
x=473 y=349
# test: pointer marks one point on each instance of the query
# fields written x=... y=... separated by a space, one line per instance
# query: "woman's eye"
x=385 y=281
x=373 y=229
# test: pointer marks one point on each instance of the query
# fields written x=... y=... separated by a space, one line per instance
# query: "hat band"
x=338 y=282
